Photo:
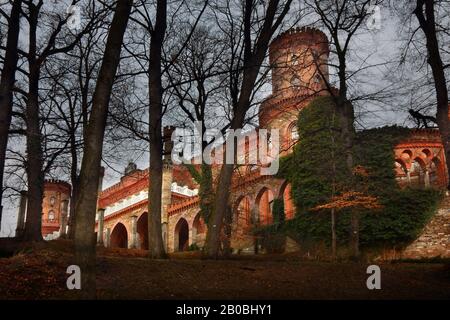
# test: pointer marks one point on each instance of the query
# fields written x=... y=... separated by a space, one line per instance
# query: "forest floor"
x=39 y=272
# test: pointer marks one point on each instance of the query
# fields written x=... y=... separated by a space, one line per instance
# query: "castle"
x=299 y=57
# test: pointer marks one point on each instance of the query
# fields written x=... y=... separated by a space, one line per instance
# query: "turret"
x=54 y=205
x=299 y=59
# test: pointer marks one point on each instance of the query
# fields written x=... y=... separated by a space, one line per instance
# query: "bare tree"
x=46 y=38
x=85 y=207
x=7 y=81
x=425 y=13
x=254 y=48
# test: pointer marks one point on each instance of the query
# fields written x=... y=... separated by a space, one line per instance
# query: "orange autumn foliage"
x=351 y=199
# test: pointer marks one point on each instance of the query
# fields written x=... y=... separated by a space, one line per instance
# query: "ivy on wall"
x=317 y=170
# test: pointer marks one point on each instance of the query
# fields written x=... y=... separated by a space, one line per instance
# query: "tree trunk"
x=228 y=220
x=212 y=243
x=85 y=208
x=34 y=164
x=254 y=55
x=354 y=238
x=333 y=235
x=156 y=244
x=347 y=120
x=74 y=178
x=427 y=23
x=6 y=86
x=72 y=216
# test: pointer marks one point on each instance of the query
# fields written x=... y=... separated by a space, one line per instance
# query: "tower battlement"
x=299 y=61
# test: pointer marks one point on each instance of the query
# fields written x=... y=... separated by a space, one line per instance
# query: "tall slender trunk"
x=215 y=222
x=347 y=120
x=346 y=114
x=6 y=87
x=85 y=207
x=427 y=23
x=156 y=244
x=34 y=164
x=228 y=220
x=73 y=200
x=333 y=235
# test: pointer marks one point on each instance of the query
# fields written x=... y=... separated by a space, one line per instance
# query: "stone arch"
x=181 y=235
x=291 y=134
x=286 y=194
x=242 y=219
x=406 y=155
x=119 y=236
x=401 y=172
x=142 y=231
x=427 y=153
x=264 y=204
x=198 y=230
x=417 y=172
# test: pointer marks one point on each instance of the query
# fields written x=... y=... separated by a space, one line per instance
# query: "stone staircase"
x=434 y=240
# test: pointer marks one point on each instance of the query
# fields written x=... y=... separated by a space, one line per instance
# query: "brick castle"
x=299 y=59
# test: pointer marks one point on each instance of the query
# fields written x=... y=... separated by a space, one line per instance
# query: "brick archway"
x=142 y=231
x=264 y=203
x=119 y=236
x=418 y=172
x=286 y=194
x=242 y=219
x=181 y=237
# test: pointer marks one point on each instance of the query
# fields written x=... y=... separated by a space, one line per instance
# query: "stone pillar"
x=108 y=237
x=427 y=178
x=100 y=231
x=21 y=215
x=167 y=176
x=408 y=176
x=134 y=238
x=64 y=213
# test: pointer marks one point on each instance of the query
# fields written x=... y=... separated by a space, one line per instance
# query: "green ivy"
x=317 y=167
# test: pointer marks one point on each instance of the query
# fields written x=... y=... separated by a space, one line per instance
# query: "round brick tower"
x=54 y=205
x=299 y=62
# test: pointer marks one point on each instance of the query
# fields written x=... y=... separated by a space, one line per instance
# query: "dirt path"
x=41 y=275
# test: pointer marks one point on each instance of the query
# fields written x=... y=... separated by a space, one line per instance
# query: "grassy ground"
x=39 y=273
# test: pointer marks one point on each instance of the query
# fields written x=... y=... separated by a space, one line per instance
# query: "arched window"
x=293 y=131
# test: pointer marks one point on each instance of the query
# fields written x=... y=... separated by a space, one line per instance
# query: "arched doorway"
x=417 y=176
x=264 y=202
x=401 y=173
x=242 y=216
x=142 y=230
x=119 y=236
x=288 y=203
x=181 y=235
